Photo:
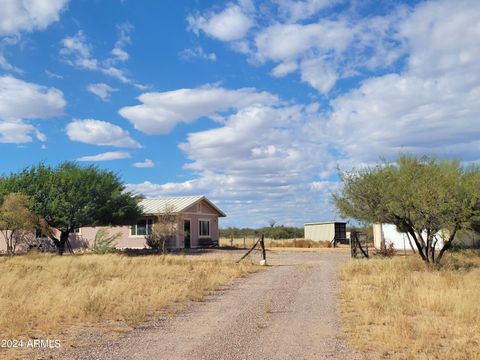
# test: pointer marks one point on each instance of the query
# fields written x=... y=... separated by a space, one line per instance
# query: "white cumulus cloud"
x=432 y=107
x=103 y=91
x=144 y=164
x=28 y=15
x=21 y=101
x=161 y=111
x=230 y=24
x=106 y=156
x=97 y=132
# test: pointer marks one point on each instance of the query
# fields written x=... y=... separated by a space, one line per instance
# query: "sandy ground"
x=287 y=312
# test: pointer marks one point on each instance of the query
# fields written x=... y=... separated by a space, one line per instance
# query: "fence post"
x=262 y=244
x=244 y=243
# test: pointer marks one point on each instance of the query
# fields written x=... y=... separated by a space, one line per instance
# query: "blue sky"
x=255 y=104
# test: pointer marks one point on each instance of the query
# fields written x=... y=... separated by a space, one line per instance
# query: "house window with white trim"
x=204 y=228
x=142 y=228
x=77 y=231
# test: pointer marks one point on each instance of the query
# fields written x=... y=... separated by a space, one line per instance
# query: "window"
x=142 y=228
x=204 y=228
x=76 y=231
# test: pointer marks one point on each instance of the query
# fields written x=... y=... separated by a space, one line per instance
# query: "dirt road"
x=287 y=312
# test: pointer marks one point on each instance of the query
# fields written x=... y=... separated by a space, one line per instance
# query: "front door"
x=186 y=233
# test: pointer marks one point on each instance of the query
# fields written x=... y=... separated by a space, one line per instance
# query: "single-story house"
x=196 y=225
x=326 y=231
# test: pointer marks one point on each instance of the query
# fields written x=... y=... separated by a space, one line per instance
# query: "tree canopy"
x=16 y=220
x=421 y=196
x=70 y=196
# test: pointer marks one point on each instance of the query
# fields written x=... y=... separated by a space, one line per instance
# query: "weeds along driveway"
x=287 y=312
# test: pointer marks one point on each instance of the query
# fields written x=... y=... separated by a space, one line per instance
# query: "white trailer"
x=388 y=234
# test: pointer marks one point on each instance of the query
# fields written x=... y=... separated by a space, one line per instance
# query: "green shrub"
x=105 y=242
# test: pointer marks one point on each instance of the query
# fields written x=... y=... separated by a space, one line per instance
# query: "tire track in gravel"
x=287 y=312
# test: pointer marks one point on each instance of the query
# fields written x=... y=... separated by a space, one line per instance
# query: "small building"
x=326 y=231
x=388 y=234
x=196 y=225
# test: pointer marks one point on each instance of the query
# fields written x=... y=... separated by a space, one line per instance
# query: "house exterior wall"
x=195 y=238
x=125 y=240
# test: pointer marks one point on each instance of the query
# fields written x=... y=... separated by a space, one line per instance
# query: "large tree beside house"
x=423 y=197
x=71 y=196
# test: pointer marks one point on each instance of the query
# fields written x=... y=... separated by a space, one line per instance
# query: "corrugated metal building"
x=326 y=231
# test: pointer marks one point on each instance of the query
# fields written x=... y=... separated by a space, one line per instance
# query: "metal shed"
x=327 y=231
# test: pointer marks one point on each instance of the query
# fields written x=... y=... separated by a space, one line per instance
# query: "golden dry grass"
x=272 y=243
x=399 y=308
x=42 y=295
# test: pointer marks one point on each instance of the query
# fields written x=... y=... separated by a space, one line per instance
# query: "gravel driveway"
x=286 y=312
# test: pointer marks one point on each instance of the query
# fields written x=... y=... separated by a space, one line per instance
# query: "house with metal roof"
x=196 y=224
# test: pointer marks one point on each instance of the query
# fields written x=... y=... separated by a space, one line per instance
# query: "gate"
x=358 y=244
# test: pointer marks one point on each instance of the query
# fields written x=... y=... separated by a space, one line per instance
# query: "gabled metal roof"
x=177 y=204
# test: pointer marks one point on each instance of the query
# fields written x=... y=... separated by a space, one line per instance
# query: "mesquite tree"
x=17 y=221
x=70 y=196
x=164 y=228
x=421 y=196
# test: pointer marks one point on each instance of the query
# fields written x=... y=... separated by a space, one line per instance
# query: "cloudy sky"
x=256 y=104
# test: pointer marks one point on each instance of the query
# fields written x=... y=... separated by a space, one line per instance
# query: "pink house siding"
x=199 y=210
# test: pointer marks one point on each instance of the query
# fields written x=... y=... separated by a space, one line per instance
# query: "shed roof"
x=326 y=222
x=178 y=204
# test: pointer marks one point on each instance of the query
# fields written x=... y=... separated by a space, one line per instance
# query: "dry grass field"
x=398 y=308
x=43 y=295
x=274 y=244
